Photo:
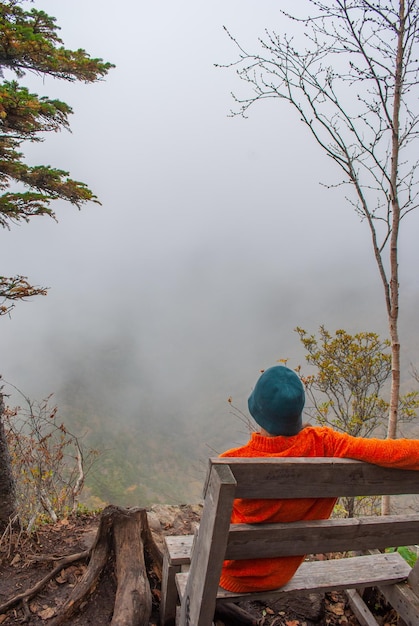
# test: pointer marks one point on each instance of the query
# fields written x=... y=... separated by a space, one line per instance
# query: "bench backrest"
x=283 y=478
x=313 y=478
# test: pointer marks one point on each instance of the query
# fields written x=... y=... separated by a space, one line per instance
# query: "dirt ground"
x=24 y=561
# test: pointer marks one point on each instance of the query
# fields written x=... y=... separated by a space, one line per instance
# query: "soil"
x=25 y=560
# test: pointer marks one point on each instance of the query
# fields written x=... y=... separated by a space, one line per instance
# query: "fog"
x=214 y=239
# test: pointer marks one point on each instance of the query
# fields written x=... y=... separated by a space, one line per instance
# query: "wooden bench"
x=197 y=591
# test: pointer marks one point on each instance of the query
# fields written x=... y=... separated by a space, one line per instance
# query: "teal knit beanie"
x=277 y=401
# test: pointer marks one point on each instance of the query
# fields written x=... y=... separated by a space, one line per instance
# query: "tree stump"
x=119 y=538
x=125 y=563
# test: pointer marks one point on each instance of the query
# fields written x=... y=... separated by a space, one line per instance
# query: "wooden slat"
x=360 y=609
x=414 y=574
x=177 y=554
x=322 y=576
x=309 y=537
x=315 y=478
x=404 y=601
x=179 y=547
x=209 y=550
x=251 y=541
x=169 y=595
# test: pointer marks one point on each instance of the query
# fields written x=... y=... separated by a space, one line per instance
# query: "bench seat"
x=321 y=576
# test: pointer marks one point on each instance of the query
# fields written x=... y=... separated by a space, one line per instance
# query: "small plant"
x=409 y=555
x=48 y=461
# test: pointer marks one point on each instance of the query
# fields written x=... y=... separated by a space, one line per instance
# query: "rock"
x=178 y=519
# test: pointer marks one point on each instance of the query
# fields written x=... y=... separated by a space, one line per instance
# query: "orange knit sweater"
x=264 y=574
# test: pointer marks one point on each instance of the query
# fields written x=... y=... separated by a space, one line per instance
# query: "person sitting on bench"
x=276 y=404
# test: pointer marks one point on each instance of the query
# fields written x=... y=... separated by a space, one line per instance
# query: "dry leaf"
x=34 y=607
x=61 y=578
x=338 y=608
x=46 y=613
x=334 y=596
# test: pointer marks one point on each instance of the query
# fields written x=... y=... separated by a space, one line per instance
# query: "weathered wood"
x=98 y=559
x=296 y=478
x=315 y=478
x=169 y=594
x=201 y=588
x=154 y=541
x=404 y=601
x=360 y=609
x=118 y=538
x=179 y=550
x=322 y=576
x=133 y=596
x=251 y=541
x=413 y=579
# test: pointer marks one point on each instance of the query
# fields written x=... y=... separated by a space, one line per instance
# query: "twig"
x=29 y=593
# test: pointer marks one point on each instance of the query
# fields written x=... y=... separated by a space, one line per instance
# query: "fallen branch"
x=30 y=593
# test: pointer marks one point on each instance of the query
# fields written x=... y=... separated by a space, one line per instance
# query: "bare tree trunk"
x=8 y=508
x=393 y=312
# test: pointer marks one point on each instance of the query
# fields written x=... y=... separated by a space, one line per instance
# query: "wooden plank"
x=179 y=548
x=304 y=477
x=169 y=594
x=363 y=571
x=360 y=609
x=198 y=604
x=249 y=541
x=177 y=554
x=414 y=574
x=404 y=601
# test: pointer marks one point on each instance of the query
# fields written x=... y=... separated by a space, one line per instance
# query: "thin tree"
x=353 y=86
x=29 y=42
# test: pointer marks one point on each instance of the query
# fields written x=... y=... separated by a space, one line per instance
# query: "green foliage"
x=347 y=386
x=408 y=555
x=29 y=41
x=346 y=390
x=363 y=505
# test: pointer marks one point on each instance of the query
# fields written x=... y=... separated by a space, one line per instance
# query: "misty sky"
x=215 y=237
